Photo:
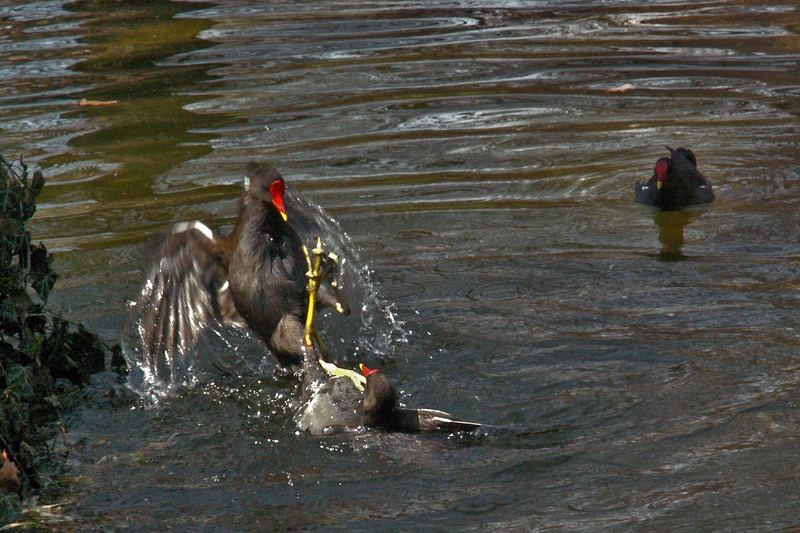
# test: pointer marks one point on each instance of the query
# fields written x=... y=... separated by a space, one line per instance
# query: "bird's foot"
x=336 y=372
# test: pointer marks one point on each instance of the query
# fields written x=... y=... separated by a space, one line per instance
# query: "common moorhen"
x=676 y=183
x=255 y=276
x=337 y=403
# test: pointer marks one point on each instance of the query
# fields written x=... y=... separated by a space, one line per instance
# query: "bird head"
x=380 y=398
x=662 y=168
x=266 y=184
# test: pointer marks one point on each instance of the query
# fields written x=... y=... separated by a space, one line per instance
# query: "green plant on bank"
x=44 y=360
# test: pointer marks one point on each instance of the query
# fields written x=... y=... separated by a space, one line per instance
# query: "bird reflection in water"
x=671 y=226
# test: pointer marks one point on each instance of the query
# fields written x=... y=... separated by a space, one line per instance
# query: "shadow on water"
x=671 y=227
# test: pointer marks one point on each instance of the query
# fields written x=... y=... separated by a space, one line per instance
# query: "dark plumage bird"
x=254 y=277
x=337 y=403
x=676 y=183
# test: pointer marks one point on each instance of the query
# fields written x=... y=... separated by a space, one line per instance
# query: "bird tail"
x=435 y=420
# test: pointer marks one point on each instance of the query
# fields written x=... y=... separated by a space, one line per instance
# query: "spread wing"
x=185 y=289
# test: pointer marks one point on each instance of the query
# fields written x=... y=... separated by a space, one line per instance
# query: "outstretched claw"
x=336 y=372
x=318 y=269
x=314 y=278
x=308 y=257
x=329 y=294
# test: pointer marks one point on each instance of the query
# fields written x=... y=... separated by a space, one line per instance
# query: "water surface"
x=482 y=158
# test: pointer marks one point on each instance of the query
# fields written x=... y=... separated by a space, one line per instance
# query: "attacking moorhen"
x=255 y=276
x=337 y=403
x=676 y=183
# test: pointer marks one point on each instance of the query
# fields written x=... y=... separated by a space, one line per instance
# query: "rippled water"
x=481 y=157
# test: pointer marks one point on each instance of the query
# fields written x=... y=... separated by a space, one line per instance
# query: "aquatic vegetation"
x=44 y=359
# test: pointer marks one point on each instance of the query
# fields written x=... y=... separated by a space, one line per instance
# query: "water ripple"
x=482 y=161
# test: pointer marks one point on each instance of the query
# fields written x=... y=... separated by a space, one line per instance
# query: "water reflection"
x=671 y=226
x=482 y=158
x=148 y=131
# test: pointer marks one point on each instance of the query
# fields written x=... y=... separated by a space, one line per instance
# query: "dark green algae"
x=44 y=359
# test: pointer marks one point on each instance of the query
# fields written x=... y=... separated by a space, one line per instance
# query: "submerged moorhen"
x=676 y=183
x=337 y=403
x=255 y=276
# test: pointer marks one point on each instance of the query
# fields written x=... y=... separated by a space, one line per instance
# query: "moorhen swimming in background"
x=676 y=183
x=255 y=276
x=337 y=403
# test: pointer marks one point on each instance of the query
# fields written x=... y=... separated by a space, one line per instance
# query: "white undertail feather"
x=183 y=226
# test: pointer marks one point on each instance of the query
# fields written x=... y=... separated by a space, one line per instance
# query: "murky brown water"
x=482 y=159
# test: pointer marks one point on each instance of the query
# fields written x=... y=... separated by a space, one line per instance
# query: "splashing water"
x=370 y=331
x=377 y=328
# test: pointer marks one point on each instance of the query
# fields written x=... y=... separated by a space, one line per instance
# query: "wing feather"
x=186 y=288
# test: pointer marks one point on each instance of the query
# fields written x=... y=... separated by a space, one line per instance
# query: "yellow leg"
x=311 y=334
x=312 y=296
x=313 y=282
x=320 y=343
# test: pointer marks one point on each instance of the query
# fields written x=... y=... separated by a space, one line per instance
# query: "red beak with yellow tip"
x=277 y=188
x=662 y=167
x=367 y=371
